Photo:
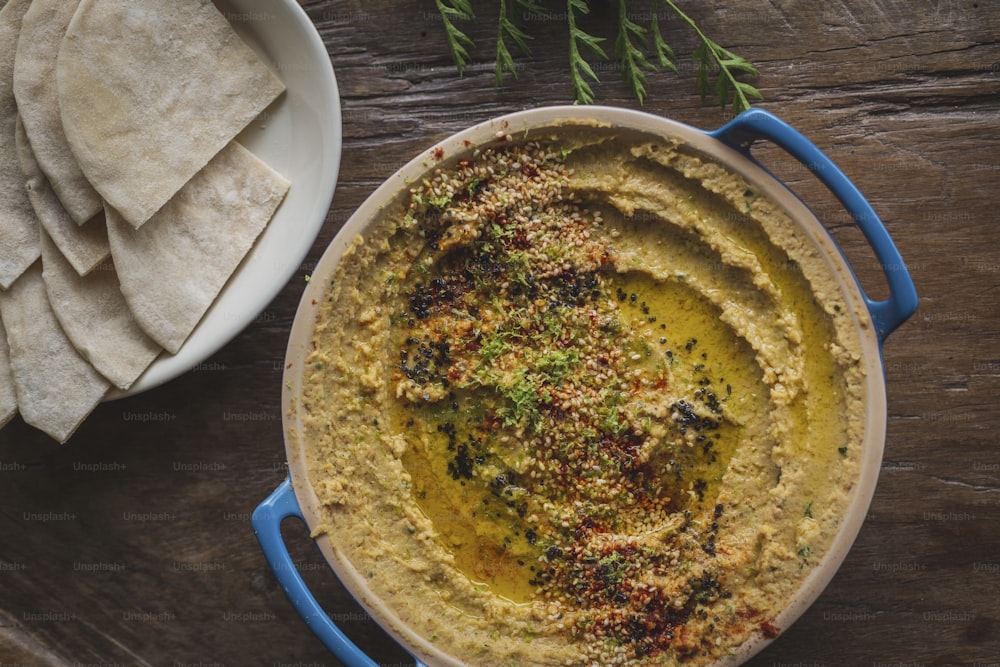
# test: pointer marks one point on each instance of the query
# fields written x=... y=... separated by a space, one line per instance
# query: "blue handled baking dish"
x=705 y=554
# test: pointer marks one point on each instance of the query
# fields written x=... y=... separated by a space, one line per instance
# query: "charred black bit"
x=574 y=289
x=425 y=362
x=461 y=466
x=440 y=293
x=688 y=418
x=706 y=588
x=709 y=547
x=432 y=234
x=504 y=484
x=448 y=429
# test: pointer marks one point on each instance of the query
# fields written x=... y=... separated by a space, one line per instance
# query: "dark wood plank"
x=131 y=545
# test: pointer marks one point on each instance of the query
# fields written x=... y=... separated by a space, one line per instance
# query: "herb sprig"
x=507 y=29
x=458 y=42
x=727 y=65
x=639 y=49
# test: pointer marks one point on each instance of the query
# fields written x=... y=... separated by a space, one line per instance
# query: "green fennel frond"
x=639 y=49
x=632 y=58
x=664 y=54
x=711 y=56
x=458 y=42
x=507 y=29
x=580 y=69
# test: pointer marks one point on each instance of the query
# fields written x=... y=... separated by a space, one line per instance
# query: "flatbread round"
x=83 y=245
x=96 y=318
x=173 y=267
x=18 y=224
x=56 y=387
x=149 y=91
x=42 y=31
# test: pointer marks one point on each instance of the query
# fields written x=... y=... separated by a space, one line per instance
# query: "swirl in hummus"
x=583 y=398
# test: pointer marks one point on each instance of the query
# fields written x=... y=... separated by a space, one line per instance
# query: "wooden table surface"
x=131 y=544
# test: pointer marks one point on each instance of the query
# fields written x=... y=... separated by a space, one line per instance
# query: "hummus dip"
x=583 y=397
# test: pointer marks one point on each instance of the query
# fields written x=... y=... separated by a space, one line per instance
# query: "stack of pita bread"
x=125 y=201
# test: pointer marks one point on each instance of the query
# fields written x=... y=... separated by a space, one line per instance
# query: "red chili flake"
x=769 y=629
x=438 y=153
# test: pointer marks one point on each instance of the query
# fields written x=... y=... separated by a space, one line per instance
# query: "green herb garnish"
x=507 y=29
x=578 y=65
x=639 y=49
x=726 y=64
x=452 y=10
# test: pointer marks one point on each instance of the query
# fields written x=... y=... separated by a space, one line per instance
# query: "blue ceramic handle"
x=741 y=132
x=266 y=521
